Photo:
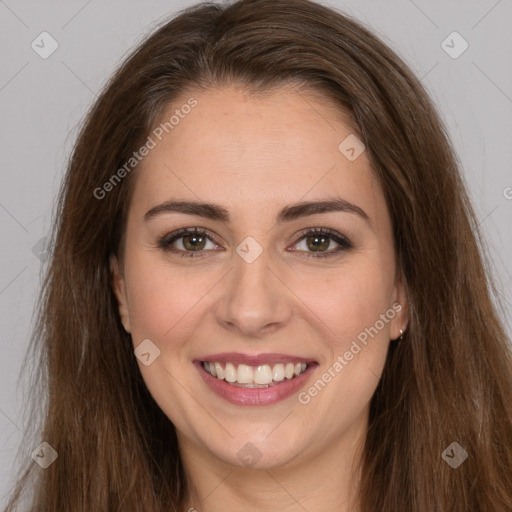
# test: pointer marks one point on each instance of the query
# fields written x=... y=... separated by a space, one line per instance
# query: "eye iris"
x=316 y=244
x=195 y=244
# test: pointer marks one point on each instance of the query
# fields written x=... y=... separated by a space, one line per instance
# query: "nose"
x=255 y=300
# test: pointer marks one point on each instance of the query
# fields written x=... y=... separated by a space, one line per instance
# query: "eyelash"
x=165 y=242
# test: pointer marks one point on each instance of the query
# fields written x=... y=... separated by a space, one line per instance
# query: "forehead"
x=253 y=151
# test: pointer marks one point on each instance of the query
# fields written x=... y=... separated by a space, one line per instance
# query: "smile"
x=261 y=376
x=263 y=379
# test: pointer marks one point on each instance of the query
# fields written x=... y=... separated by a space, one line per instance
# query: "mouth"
x=261 y=376
x=255 y=380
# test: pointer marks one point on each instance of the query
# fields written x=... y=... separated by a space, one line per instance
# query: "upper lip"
x=254 y=359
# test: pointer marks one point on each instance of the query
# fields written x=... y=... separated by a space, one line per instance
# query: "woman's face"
x=256 y=292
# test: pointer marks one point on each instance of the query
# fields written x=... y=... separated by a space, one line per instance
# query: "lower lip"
x=255 y=396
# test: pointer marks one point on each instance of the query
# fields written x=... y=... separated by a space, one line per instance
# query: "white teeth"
x=278 y=372
x=263 y=374
x=219 y=371
x=254 y=377
x=230 y=373
x=244 y=374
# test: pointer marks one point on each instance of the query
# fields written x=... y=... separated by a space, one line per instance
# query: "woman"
x=266 y=290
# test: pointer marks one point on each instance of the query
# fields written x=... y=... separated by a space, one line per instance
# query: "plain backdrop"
x=43 y=99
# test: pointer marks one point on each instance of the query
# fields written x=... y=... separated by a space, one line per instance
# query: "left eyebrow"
x=287 y=214
x=305 y=209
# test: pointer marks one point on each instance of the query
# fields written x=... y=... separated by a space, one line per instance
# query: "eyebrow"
x=287 y=214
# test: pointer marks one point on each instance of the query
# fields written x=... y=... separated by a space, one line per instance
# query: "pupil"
x=317 y=244
x=196 y=239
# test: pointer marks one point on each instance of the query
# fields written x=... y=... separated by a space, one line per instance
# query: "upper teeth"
x=263 y=375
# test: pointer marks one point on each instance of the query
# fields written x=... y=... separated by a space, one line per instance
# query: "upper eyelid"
x=176 y=235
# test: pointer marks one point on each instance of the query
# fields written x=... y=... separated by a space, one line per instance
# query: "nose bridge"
x=255 y=298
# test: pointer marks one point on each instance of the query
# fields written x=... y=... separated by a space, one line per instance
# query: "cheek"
x=154 y=305
x=165 y=302
x=351 y=298
x=352 y=305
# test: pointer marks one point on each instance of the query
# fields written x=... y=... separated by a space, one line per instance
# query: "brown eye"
x=194 y=242
x=187 y=241
x=317 y=241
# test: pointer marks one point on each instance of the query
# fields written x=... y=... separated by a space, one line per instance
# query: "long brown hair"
x=450 y=378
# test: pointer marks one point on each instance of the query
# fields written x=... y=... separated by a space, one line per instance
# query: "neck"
x=326 y=480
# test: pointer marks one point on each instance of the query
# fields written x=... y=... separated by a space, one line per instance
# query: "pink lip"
x=255 y=396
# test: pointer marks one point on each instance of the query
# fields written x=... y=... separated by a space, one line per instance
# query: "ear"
x=401 y=308
x=119 y=288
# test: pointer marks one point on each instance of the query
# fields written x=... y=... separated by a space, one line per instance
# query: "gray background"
x=42 y=100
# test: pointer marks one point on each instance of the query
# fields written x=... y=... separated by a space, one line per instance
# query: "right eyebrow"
x=288 y=213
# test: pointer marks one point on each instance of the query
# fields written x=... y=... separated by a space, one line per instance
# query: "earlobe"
x=401 y=307
x=119 y=289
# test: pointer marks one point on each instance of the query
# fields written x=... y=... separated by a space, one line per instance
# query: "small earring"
x=401 y=335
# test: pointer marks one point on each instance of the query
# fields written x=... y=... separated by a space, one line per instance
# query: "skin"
x=255 y=155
